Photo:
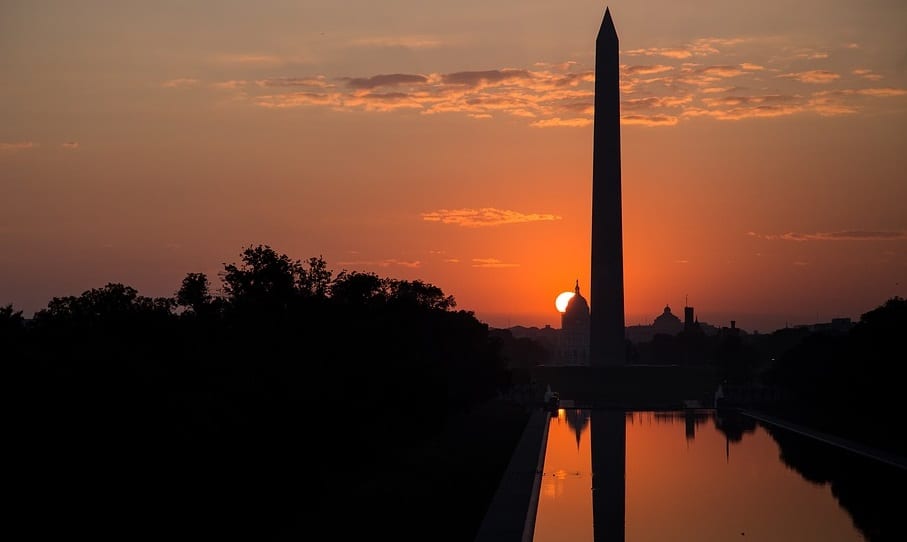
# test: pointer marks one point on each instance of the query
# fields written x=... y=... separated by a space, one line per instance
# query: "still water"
x=695 y=476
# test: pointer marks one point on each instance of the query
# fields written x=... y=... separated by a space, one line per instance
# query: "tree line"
x=288 y=376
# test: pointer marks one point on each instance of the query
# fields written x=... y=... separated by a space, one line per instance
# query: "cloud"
x=182 y=82
x=866 y=74
x=482 y=217
x=232 y=84
x=72 y=145
x=809 y=54
x=698 y=47
x=317 y=82
x=382 y=101
x=872 y=92
x=492 y=263
x=298 y=99
x=406 y=42
x=17 y=146
x=649 y=120
x=736 y=101
x=661 y=51
x=747 y=112
x=846 y=235
x=714 y=78
x=816 y=77
x=645 y=70
x=392 y=80
x=655 y=102
x=251 y=59
x=451 y=260
x=557 y=121
x=538 y=94
x=389 y=262
x=709 y=74
x=484 y=78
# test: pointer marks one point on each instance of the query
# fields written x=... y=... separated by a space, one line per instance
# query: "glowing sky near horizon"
x=764 y=149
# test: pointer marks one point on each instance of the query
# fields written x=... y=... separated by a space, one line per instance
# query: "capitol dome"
x=577 y=305
x=574 y=346
x=667 y=323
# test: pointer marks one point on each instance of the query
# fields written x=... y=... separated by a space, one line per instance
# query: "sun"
x=562 y=299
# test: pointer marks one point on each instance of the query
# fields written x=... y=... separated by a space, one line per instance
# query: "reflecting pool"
x=694 y=475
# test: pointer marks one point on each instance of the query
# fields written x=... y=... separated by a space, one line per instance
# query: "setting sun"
x=562 y=299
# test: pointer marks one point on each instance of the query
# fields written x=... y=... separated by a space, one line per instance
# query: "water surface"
x=691 y=475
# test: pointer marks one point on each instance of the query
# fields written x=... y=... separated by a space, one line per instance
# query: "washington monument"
x=606 y=346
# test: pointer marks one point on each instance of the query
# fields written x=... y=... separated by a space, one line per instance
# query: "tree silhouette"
x=265 y=281
x=316 y=280
x=420 y=294
x=194 y=293
x=158 y=400
x=353 y=288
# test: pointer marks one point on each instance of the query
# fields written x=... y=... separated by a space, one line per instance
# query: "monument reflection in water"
x=691 y=475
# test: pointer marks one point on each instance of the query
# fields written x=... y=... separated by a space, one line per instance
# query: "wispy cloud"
x=667 y=52
x=554 y=95
x=483 y=217
x=389 y=262
x=751 y=112
x=815 y=77
x=391 y=80
x=316 y=82
x=727 y=79
x=703 y=76
x=846 y=235
x=251 y=59
x=232 y=84
x=72 y=145
x=492 y=263
x=883 y=92
x=698 y=47
x=649 y=120
x=805 y=53
x=557 y=121
x=866 y=74
x=634 y=70
x=655 y=102
x=406 y=42
x=182 y=82
x=17 y=146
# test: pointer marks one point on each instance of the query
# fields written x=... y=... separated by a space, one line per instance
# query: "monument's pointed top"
x=607 y=30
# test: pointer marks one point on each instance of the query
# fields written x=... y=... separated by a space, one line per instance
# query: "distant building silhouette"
x=574 y=334
x=667 y=323
x=835 y=326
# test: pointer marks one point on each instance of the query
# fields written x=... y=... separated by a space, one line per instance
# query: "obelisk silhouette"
x=606 y=346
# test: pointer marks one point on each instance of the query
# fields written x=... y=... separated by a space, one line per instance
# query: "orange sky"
x=764 y=147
